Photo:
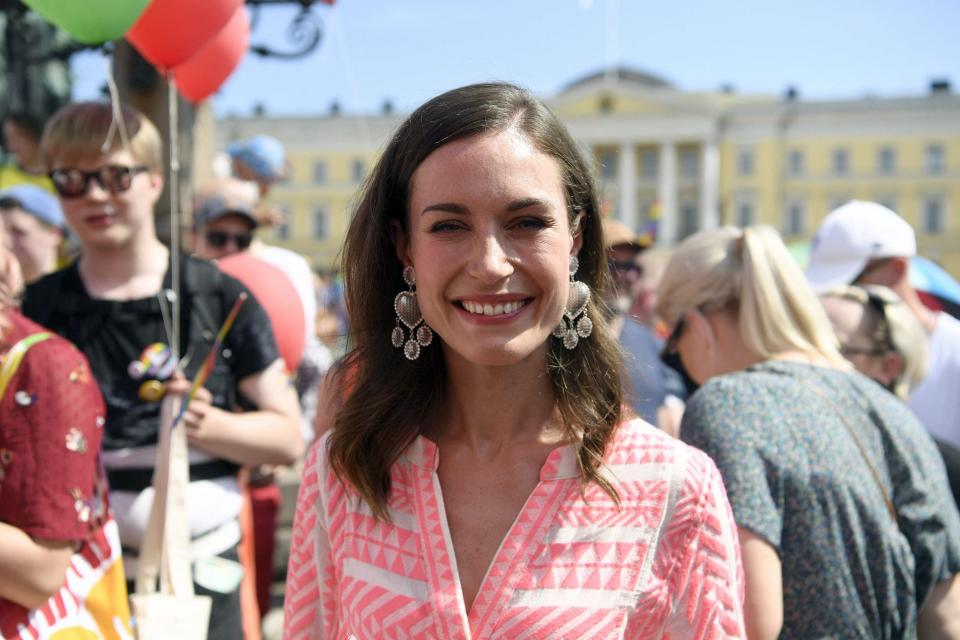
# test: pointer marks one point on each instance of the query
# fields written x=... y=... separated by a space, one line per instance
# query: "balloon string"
x=117 y=124
x=174 y=213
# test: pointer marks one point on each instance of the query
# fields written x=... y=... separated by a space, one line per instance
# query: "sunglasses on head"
x=219 y=239
x=881 y=335
x=73 y=183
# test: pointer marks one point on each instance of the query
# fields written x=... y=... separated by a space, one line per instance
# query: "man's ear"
x=400 y=242
x=890 y=273
x=899 y=269
x=156 y=183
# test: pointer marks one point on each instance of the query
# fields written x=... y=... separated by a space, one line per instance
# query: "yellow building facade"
x=671 y=162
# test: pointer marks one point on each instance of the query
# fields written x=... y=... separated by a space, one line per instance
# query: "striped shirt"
x=663 y=564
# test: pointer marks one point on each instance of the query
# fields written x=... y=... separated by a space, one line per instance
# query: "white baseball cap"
x=850 y=236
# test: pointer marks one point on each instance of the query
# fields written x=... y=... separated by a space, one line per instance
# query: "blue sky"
x=409 y=50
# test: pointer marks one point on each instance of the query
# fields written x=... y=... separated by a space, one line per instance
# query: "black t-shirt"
x=126 y=342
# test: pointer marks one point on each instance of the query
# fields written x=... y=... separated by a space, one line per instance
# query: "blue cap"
x=263 y=154
x=38 y=202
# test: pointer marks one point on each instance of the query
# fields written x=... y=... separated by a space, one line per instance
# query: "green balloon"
x=91 y=21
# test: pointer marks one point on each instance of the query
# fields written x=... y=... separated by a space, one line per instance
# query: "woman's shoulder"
x=48 y=351
x=749 y=395
x=649 y=452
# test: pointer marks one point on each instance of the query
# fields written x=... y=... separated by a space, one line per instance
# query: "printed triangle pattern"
x=666 y=560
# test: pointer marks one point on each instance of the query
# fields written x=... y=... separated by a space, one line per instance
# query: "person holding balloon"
x=116 y=302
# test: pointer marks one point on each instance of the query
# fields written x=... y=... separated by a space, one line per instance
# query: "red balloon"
x=201 y=75
x=276 y=294
x=170 y=32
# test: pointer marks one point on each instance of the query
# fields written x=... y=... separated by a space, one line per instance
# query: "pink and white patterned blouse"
x=664 y=564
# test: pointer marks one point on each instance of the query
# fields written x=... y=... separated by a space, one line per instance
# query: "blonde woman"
x=878 y=335
x=846 y=526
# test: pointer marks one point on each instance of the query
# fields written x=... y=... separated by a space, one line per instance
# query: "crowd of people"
x=515 y=417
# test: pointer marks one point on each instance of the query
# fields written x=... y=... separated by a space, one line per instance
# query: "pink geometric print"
x=664 y=564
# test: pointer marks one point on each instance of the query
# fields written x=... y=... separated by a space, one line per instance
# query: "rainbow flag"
x=207 y=368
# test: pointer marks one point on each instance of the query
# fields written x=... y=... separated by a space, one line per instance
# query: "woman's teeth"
x=487 y=309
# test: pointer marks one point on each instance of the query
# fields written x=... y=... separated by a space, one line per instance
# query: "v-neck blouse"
x=664 y=564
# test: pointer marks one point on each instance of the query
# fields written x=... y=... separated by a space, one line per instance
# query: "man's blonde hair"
x=84 y=130
x=750 y=271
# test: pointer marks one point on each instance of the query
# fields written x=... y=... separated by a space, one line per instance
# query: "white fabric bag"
x=171 y=610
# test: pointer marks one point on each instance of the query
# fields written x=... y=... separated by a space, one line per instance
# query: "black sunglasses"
x=73 y=183
x=219 y=239
x=670 y=346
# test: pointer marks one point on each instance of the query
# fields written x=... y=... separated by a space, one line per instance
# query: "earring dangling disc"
x=424 y=335
x=411 y=350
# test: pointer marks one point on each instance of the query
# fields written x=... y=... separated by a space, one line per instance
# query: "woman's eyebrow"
x=524 y=203
x=448 y=207
x=516 y=205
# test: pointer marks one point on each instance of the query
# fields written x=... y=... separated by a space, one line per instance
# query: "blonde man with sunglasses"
x=114 y=302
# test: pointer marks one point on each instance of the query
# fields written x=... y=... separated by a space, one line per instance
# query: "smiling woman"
x=484 y=482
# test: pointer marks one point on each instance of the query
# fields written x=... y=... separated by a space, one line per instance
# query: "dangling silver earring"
x=408 y=312
x=575 y=323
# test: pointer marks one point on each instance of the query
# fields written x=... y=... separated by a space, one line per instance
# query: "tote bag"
x=164 y=605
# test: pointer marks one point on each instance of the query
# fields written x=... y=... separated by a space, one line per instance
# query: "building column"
x=667 y=194
x=709 y=185
x=627 y=184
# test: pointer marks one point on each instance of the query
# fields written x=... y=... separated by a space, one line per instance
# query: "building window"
x=648 y=163
x=745 y=161
x=935 y=159
x=841 y=162
x=608 y=165
x=319 y=172
x=838 y=201
x=321 y=223
x=745 y=215
x=886 y=160
x=796 y=165
x=283 y=229
x=358 y=171
x=934 y=215
x=795 y=218
x=689 y=220
x=688 y=163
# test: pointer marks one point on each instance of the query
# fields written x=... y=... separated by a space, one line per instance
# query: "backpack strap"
x=201 y=317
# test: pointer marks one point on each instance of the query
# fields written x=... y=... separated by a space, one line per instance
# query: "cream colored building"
x=671 y=162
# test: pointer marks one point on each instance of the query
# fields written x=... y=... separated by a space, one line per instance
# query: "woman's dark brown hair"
x=389 y=398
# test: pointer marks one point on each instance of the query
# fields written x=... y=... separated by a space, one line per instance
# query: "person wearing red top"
x=51 y=508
